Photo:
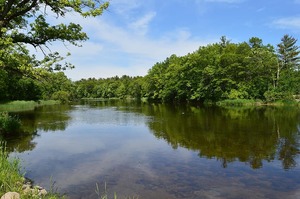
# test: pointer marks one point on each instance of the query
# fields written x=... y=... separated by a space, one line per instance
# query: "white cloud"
x=292 y=23
x=140 y=26
x=122 y=39
x=115 y=49
x=124 y=7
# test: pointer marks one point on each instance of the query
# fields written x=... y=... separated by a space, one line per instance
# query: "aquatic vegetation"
x=15 y=106
x=105 y=195
x=9 y=123
x=238 y=102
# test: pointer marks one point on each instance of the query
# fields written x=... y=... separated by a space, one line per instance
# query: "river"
x=151 y=151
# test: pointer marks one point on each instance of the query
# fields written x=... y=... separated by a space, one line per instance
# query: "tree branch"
x=7 y=8
x=24 y=11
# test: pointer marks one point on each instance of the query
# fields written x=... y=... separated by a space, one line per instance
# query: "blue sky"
x=132 y=35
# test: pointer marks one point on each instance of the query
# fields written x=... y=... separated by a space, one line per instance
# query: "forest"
x=215 y=72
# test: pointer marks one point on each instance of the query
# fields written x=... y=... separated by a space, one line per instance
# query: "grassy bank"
x=10 y=179
x=247 y=102
x=239 y=102
x=14 y=106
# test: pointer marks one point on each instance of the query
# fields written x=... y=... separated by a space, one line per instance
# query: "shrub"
x=62 y=96
x=9 y=123
x=236 y=94
x=273 y=96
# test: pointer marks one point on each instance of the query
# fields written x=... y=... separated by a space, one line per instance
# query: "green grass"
x=238 y=102
x=11 y=180
x=285 y=103
x=16 y=106
x=247 y=103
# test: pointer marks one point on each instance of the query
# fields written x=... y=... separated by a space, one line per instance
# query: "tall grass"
x=16 y=106
x=238 y=102
x=10 y=178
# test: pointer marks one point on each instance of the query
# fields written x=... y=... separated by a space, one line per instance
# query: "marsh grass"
x=16 y=106
x=238 y=102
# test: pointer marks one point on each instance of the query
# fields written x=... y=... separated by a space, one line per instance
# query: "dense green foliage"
x=8 y=123
x=115 y=87
x=220 y=71
x=24 y=23
x=217 y=72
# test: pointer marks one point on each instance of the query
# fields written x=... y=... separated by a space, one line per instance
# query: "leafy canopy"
x=25 y=22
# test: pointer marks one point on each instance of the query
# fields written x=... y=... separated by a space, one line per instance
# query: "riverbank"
x=16 y=106
x=247 y=102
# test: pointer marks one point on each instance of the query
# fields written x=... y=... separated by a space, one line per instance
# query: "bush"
x=273 y=96
x=236 y=94
x=9 y=123
x=62 y=96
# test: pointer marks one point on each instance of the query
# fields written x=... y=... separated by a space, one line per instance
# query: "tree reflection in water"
x=45 y=118
x=250 y=135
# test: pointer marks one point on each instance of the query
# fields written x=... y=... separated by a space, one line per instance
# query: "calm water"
x=159 y=151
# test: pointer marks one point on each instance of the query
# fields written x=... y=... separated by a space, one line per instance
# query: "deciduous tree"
x=24 y=22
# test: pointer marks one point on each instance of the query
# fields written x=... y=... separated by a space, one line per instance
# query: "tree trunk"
x=277 y=77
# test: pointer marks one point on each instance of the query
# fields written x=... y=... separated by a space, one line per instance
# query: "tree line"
x=219 y=71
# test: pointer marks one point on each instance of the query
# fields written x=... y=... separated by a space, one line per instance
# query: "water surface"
x=162 y=151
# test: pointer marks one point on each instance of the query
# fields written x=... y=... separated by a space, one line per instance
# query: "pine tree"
x=288 y=55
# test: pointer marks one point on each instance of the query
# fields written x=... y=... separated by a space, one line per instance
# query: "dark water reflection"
x=161 y=151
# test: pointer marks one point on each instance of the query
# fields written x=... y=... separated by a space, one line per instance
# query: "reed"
x=238 y=102
x=105 y=195
x=16 y=106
